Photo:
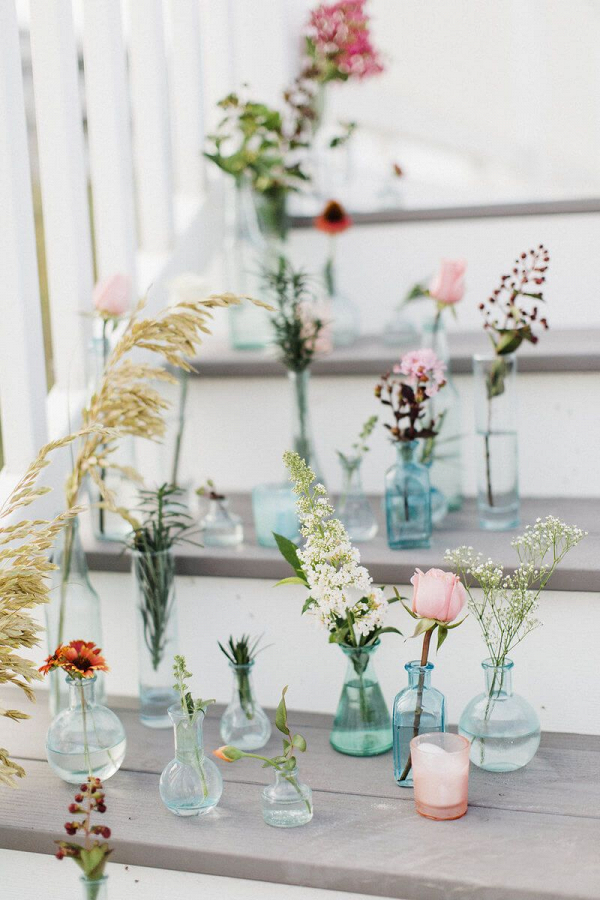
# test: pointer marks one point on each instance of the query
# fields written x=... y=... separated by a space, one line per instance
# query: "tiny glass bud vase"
x=354 y=510
x=274 y=511
x=244 y=723
x=191 y=784
x=418 y=709
x=154 y=580
x=407 y=500
x=495 y=388
x=287 y=802
x=362 y=725
x=441 y=775
x=95 y=888
x=87 y=739
x=221 y=527
x=503 y=728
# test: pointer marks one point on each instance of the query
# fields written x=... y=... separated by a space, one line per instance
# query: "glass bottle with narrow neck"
x=354 y=509
x=407 y=499
x=220 y=526
x=502 y=726
x=345 y=319
x=244 y=724
x=362 y=724
x=95 y=888
x=418 y=709
x=191 y=784
x=302 y=438
x=287 y=802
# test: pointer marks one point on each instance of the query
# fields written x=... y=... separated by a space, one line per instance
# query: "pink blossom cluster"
x=340 y=35
x=422 y=367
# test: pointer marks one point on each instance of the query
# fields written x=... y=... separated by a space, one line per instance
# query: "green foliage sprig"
x=360 y=447
x=241 y=654
x=189 y=705
x=296 y=327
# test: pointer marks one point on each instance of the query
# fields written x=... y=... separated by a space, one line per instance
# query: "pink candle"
x=440 y=764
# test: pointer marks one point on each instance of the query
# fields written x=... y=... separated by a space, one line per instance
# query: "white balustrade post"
x=187 y=96
x=64 y=186
x=109 y=138
x=151 y=133
x=22 y=367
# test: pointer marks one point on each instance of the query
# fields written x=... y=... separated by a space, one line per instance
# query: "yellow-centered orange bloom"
x=80 y=659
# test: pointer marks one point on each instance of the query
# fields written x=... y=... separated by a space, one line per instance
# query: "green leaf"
x=289 y=551
x=290 y=763
x=308 y=603
x=281 y=714
x=442 y=635
x=389 y=630
x=293 y=579
x=299 y=743
x=456 y=624
x=424 y=625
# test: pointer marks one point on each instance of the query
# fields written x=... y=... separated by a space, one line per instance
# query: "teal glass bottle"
x=504 y=729
x=418 y=709
x=407 y=500
x=191 y=784
x=362 y=725
x=95 y=888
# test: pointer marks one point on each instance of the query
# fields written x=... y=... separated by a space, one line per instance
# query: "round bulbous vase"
x=244 y=724
x=87 y=738
x=95 y=888
x=191 y=784
x=503 y=728
x=221 y=527
x=362 y=725
x=287 y=802
x=418 y=709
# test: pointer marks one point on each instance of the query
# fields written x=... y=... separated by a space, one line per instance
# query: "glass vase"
x=444 y=451
x=95 y=888
x=407 y=500
x=503 y=728
x=87 y=738
x=191 y=784
x=362 y=725
x=220 y=527
x=287 y=802
x=272 y=215
x=495 y=386
x=418 y=709
x=246 y=255
x=343 y=313
x=73 y=613
x=244 y=723
x=302 y=439
x=274 y=511
x=154 y=579
x=354 y=509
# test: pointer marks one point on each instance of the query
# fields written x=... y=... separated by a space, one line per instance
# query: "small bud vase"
x=418 y=709
x=407 y=500
x=287 y=802
x=503 y=728
x=87 y=739
x=354 y=510
x=362 y=725
x=95 y=888
x=244 y=723
x=220 y=527
x=191 y=784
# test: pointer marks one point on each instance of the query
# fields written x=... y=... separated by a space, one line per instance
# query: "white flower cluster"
x=338 y=584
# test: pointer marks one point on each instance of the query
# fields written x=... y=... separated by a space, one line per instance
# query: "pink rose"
x=111 y=296
x=448 y=286
x=437 y=595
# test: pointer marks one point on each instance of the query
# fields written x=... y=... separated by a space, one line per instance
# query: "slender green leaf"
x=289 y=551
x=281 y=714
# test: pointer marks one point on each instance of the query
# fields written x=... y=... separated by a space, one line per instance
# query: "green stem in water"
x=86 y=749
x=419 y=704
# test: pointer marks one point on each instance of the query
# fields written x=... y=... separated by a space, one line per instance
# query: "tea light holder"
x=440 y=764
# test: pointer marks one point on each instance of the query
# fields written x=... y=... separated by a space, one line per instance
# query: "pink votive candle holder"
x=440 y=764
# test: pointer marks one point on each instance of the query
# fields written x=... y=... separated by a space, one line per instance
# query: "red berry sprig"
x=88 y=800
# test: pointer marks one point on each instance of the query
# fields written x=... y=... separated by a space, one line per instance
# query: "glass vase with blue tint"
x=408 y=499
x=287 y=802
x=191 y=784
x=418 y=709
x=504 y=729
x=220 y=526
x=362 y=725
x=274 y=511
x=354 y=509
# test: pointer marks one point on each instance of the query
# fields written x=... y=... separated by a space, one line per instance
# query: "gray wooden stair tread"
x=580 y=571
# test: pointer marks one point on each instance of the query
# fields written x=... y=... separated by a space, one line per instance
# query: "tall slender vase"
x=497 y=450
x=73 y=613
x=418 y=709
x=95 y=888
x=407 y=500
x=191 y=784
x=154 y=579
x=302 y=438
x=503 y=728
x=272 y=216
x=362 y=725
x=354 y=509
x=344 y=315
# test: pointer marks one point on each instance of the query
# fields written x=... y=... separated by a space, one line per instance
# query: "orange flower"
x=80 y=659
x=228 y=753
x=334 y=219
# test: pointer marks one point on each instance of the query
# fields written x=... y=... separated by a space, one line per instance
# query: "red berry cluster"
x=89 y=799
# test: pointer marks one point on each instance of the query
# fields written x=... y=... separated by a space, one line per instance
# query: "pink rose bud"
x=437 y=595
x=448 y=286
x=111 y=296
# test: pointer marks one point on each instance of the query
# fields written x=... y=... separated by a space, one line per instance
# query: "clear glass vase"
x=221 y=527
x=73 y=613
x=343 y=313
x=362 y=725
x=495 y=386
x=244 y=723
x=302 y=438
x=444 y=450
x=87 y=738
x=154 y=580
x=274 y=511
x=287 y=802
x=503 y=728
x=418 y=709
x=246 y=255
x=271 y=212
x=95 y=888
x=191 y=784
x=354 y=509
x=407 y=500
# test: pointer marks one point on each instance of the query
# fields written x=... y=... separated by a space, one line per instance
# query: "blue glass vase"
x=274 y=511
x=407 y=500
x=418 y=709
x=362 y=725
x=504 y=729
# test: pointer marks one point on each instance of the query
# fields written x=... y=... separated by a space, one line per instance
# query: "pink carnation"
x=340 y=34
x=425 y=367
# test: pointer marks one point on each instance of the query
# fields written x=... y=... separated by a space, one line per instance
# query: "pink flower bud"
x=437 y=595
x=111 y=296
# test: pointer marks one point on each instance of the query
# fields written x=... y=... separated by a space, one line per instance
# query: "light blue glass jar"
x=287 y=802
x=407 y=500
x=244 y=724
x=418 y=709
x=362 y=725
x=274 y=511
x=191 y=784
x=504 y=729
